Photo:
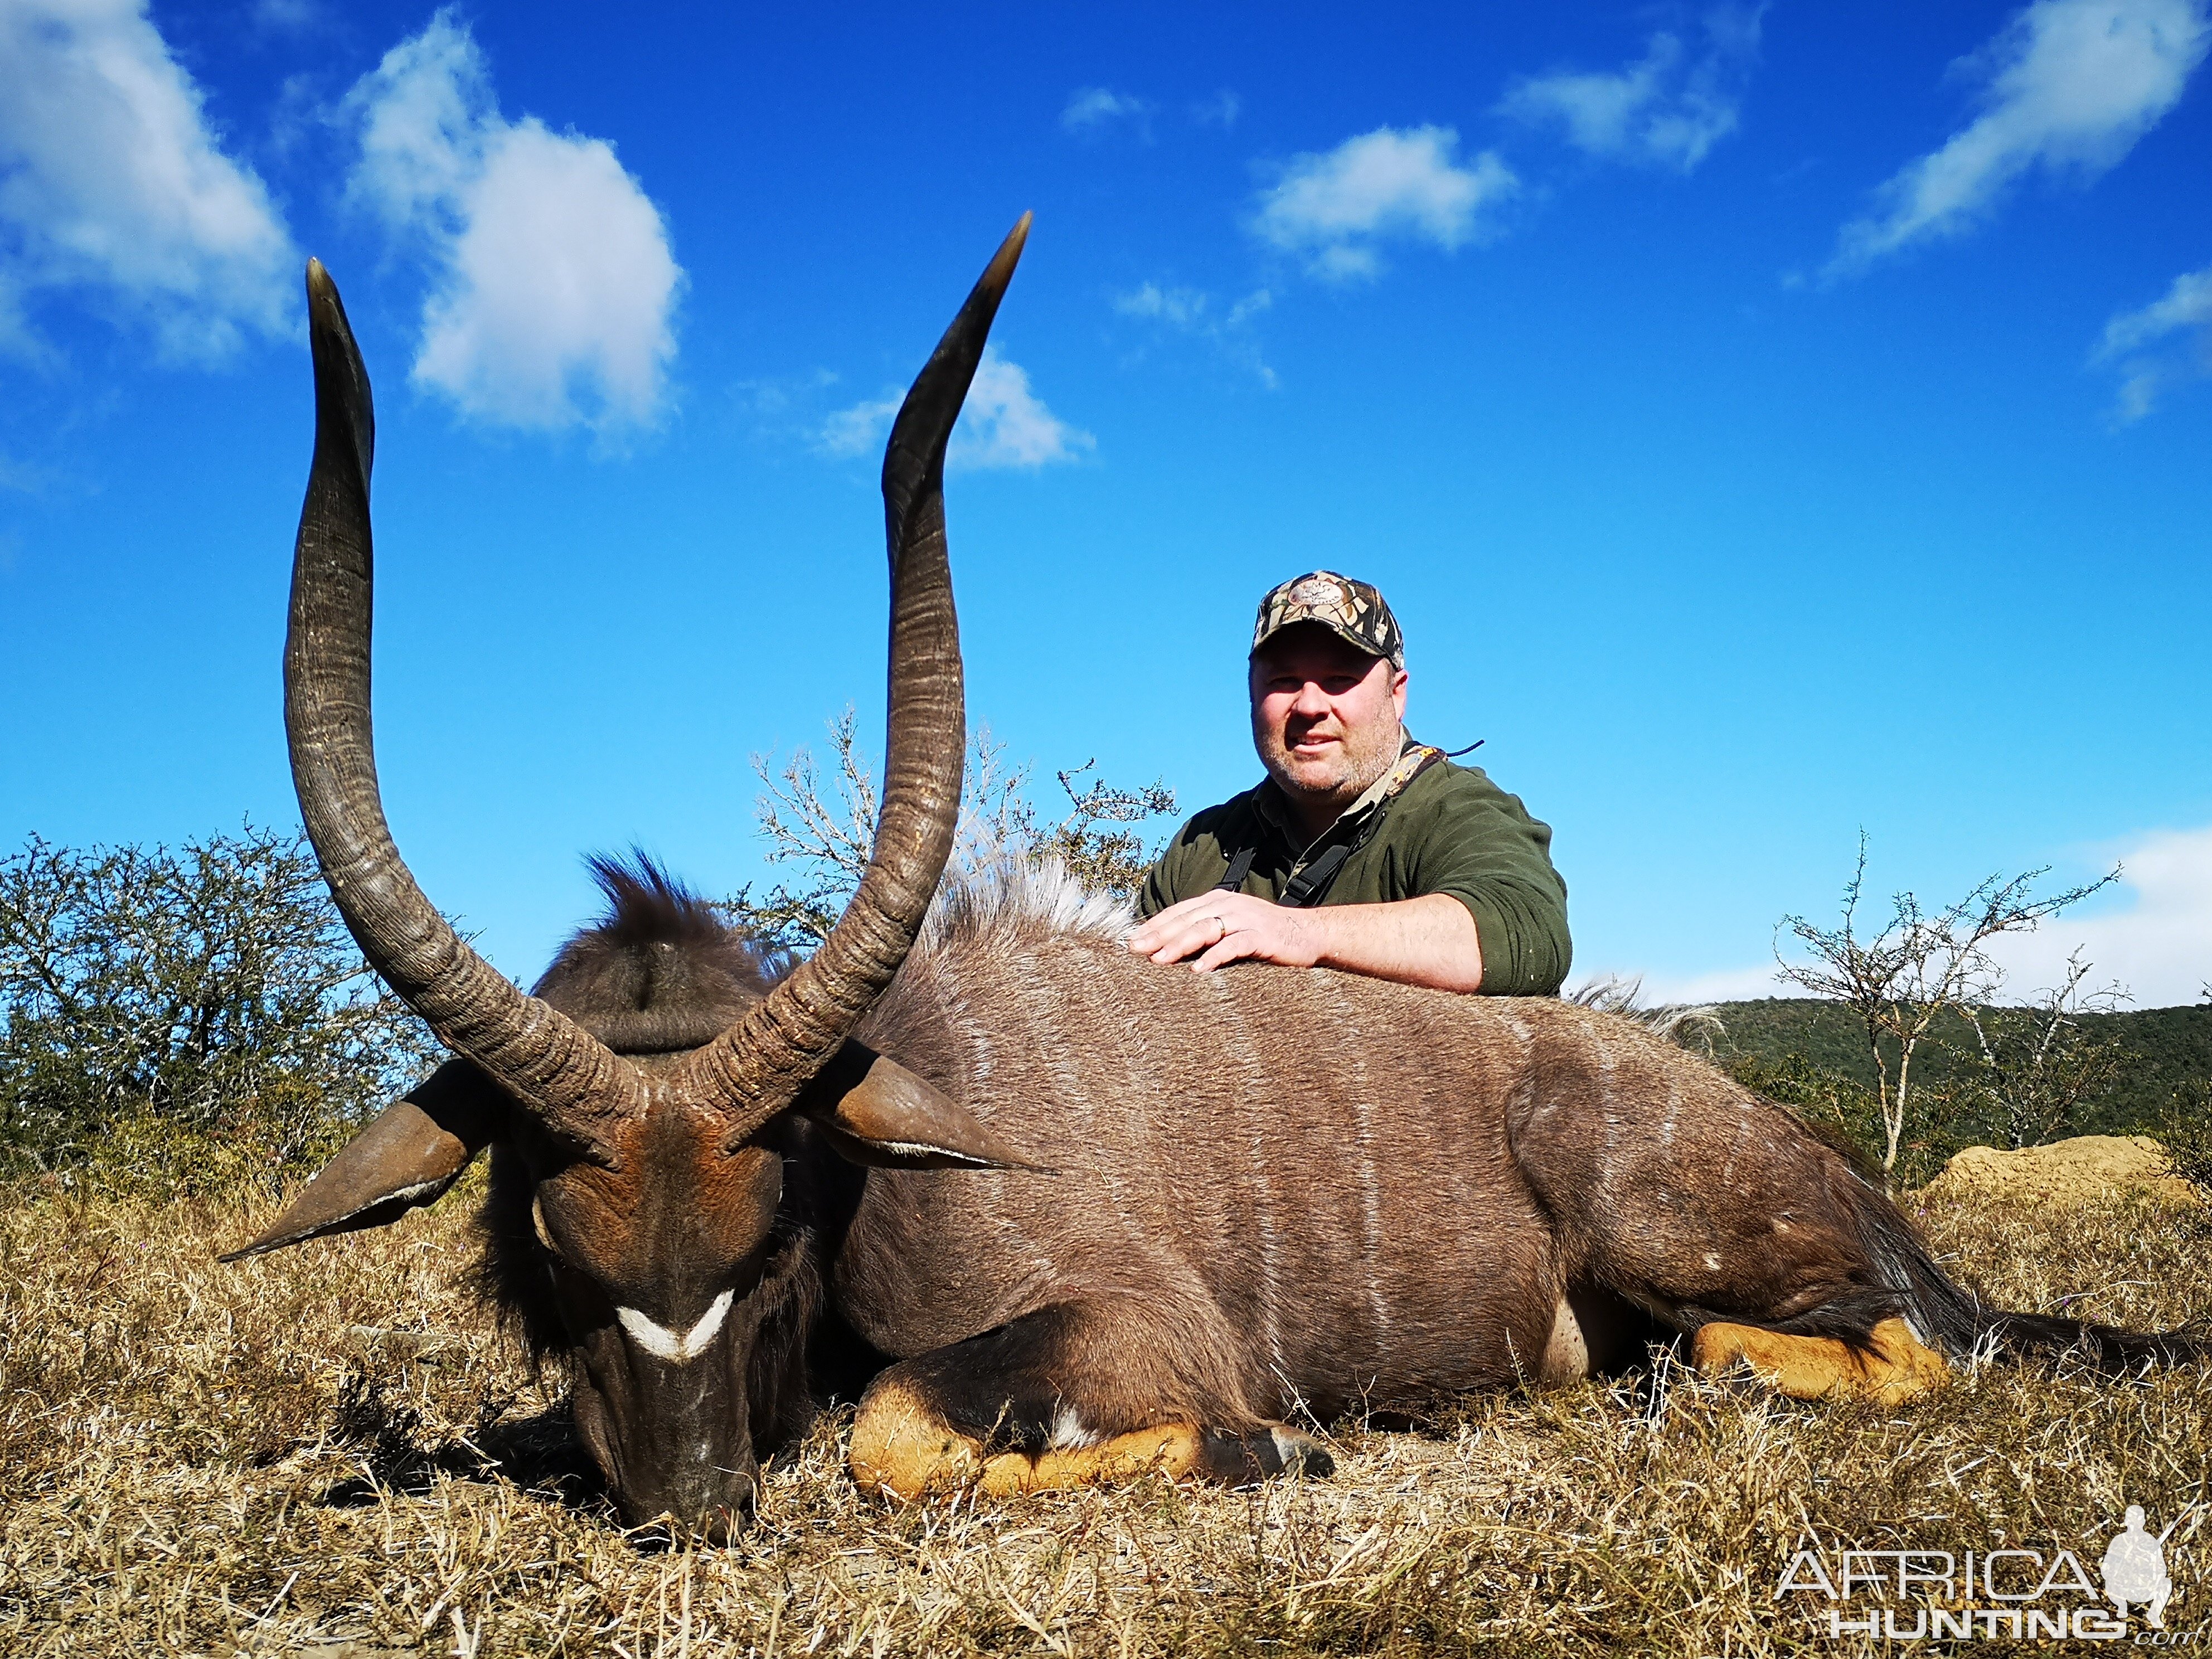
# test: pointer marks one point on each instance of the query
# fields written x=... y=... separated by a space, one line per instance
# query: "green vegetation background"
x=2165 y=1048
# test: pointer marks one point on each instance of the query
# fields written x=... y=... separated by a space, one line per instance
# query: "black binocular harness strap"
x=1311 y=884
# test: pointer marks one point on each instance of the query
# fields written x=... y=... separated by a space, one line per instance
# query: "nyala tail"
x=1951 y=1317
x=2106 y=1347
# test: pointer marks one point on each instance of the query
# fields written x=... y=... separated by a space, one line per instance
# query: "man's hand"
x=1222 y=927
x=1429 y=941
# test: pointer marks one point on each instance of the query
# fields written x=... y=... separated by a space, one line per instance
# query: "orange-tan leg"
x=903 y=1449
x=1175 y=1449
x=1901 y=1368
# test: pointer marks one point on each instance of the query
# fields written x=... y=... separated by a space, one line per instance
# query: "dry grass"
x=207 y=1460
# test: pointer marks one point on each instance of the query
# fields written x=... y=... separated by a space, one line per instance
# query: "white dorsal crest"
x=662 y=1343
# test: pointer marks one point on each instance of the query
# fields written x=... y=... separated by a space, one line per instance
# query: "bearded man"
x=1362 y=849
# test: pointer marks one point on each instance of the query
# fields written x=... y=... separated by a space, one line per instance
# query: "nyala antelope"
x=1051 y=1213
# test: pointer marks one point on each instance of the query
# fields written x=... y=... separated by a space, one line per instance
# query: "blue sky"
x=1768 y=423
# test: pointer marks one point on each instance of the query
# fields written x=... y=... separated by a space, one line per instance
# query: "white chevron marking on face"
x=662 y=1343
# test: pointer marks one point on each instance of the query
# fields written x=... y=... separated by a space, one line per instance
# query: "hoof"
x=1245 y=1459
x=1300 y=1453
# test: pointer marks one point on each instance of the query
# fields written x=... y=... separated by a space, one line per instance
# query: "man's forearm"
x=1429 y=941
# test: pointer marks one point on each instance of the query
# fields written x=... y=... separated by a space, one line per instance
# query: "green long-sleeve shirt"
x=1450 y=830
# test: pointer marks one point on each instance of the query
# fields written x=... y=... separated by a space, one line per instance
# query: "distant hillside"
x=2165 y=1045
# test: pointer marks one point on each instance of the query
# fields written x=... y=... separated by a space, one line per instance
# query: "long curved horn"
x=536 y=1053
x=756 y=1067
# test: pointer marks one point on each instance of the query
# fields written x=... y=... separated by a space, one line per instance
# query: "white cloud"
x=1003 y=424
x=286 y=17
x=781 y=401
x=23 y=477
x=2069 y=85
x=1666 y=109
x=1093 y=109
x=17 y=337
x=556 y=286
x=2158 y=946
x=2143 y=343
x=114 y=184
x=1192 y=311
x=1220 y=111
x=1335 y=209
x=1182 y=308
x=861 y=429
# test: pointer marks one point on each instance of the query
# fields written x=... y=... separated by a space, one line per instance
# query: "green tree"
x=208 y=991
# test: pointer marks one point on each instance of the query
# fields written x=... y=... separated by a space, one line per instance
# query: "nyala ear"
x=416 y=1148
x=875 y=1112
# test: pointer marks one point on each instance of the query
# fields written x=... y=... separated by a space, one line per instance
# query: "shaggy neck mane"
x=1012 y=902
x=661 y=971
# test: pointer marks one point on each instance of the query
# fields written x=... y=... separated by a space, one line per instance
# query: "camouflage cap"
x=1353 y=611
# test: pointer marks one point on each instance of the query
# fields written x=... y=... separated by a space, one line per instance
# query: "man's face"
x=1325 y=715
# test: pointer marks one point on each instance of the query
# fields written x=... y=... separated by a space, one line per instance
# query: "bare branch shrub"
x=2184 y=1131
x=2032 y=1067
x=1920 y=966
x=1092 y=839
x=825 y=826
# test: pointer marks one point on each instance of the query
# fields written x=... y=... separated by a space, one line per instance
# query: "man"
x=1363 y=850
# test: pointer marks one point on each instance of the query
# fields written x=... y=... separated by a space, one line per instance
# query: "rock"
x=2084 y=1169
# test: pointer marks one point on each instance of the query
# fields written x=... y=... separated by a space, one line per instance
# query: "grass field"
x=332 y=1452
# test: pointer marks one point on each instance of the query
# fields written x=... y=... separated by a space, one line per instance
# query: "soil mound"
x=2074 y=1171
